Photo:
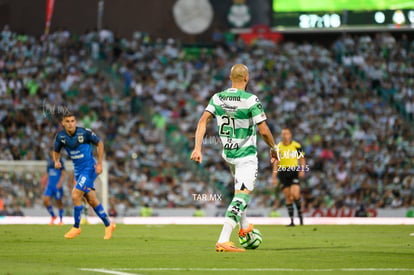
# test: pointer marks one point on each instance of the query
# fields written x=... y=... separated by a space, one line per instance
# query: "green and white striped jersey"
x=237 y=113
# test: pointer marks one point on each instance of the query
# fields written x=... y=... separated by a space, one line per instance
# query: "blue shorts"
x=85 y=180
x=53 y=192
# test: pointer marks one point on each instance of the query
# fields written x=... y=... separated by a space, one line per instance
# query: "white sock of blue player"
x=100 y=211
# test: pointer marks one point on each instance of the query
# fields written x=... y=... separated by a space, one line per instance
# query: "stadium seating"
x=145 y=98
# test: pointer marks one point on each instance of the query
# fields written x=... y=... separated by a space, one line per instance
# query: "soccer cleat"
x=109 y=230
x=228 y=247
x=52 y=221
x=73 y=233
x=291 y=224
x=244 y=232
x=60 y=223
x=301 y=220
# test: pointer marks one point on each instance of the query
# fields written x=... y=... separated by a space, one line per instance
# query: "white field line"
x=118 y=271
x=216 y=220
x=107 y=271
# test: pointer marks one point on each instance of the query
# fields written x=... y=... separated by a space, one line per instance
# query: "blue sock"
x=50 y=210
x=61 y=214
x=77 y=215
x=100 y=211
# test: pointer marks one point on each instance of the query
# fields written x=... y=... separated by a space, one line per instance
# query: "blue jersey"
x=79 y=148
x=53 y=173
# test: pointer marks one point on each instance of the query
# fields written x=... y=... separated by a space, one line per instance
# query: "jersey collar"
x=74 y=133
x=287 y=144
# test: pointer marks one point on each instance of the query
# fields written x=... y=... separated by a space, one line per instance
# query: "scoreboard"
x=331 y=14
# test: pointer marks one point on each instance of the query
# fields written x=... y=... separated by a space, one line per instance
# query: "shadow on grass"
x=305 y=248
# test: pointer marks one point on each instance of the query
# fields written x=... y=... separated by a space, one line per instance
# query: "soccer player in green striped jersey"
x=237 y=113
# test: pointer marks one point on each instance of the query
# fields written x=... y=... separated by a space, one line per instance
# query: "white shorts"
x=244 y=173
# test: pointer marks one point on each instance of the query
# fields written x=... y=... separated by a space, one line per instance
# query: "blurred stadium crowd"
x=144 y=97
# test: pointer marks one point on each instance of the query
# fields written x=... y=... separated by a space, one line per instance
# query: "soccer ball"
x=252 y=240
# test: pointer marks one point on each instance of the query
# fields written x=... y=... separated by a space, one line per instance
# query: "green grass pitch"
x=181 y=249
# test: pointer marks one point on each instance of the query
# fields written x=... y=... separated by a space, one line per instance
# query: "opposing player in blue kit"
x=54 y=188
x=78 y=142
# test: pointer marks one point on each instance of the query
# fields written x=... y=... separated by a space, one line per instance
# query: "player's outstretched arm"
x=302 y=163
x=56 y=159
x=268 y=138
x=61 y=179
x=266 y=134
x=199 y=135
x=275 y=166
x=43 y=181
x=100 y=151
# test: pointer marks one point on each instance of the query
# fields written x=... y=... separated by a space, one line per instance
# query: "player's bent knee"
x=289 y=199
x=245 y=191
x=92 y=199
x=46 y=201
x=76 y=200
x=77 y=197
x=93 y=202
x=295 y=196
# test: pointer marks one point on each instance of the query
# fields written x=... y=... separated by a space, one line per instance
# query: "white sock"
x=243 y=220
x=228 y=227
